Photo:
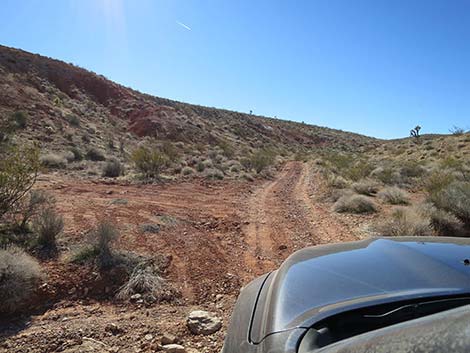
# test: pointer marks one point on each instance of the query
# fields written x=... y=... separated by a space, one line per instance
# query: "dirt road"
x=218 y=235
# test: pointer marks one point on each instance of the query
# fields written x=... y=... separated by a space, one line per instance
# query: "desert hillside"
x=123 y=215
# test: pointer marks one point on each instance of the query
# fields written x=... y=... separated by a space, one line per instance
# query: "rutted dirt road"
x=218 y=235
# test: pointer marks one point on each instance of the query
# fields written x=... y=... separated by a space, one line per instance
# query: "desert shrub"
x=208 y=163
x=30 y=205
x=444 y=223
x=73 y=120
x=262 y=159
x=187 y=171
x=365 y=187
x=77 y=154
x=20 y=119
x=20 y=274
x=248 y=177
x=336 y=181
x=235 y=168
x=355 y=204
x=212 y=173
x=113 y=168
x=455 y=199
x=95 y=154
x=200 y=166
x=451 y=163
x=412 y=169
x=19 y=168
x=404 y=222
x=145 y=279
x=357 y=171
x=53 y=161
x=457 y=131
x=386 y=175
x=69 y=156
x=170 y=151
x=149 y=162
x=246 y=163
x=103 y=238
x=48 y=225
x=394 y=196
x=227 y=149
x=438 y=180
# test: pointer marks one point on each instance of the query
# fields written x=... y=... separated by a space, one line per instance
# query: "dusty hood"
x=320 y=281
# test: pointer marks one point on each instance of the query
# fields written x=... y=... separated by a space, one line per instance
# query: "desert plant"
x=149 y=162
x=415 y=132
x=336 y=181
x=48 y=224
x=20 y=274
x=95 y=154
x=457 y=131
x=212 y=173
x=20 y=119
x=404 y=222
x=73 y=120
x=365 y=187
x=187 y=171
x=29 y=207
x=355 y=204
x=444 y=223
x=53 y=161
x=103 y=238
x=455 y=199
x=262 y=159
x=227 y=149
x=200 y=166
x=170 y=151
x=394 y=196
x=438 y=180
x=18 y=172
x=113 y=168
x=144 y=279
x=77 y=154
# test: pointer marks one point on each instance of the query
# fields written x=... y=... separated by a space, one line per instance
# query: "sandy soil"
x=218 y=235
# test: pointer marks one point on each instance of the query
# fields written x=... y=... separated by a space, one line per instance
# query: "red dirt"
x=219 y=236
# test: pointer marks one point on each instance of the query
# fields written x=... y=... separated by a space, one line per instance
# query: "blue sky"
x=371 y=66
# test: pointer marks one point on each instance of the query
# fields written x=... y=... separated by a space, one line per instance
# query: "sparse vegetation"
x=53 y=161
x=187 y=171
x=48 y=224
x=145 y=279
x=454 y=199
x=261 y=159
x=365 y=187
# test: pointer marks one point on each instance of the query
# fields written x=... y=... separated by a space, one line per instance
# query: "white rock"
x=203 y=323
x=174 y=348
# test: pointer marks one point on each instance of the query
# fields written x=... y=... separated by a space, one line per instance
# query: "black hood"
x=321 y=281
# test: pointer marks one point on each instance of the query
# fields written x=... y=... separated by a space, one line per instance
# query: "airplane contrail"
x=184 y=26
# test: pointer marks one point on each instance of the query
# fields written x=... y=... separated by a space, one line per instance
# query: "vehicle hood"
x=321 y=281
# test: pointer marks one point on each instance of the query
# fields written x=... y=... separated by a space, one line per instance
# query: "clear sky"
x=375 y=67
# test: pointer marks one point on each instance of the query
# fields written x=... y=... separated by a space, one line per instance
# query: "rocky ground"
x=217 y=236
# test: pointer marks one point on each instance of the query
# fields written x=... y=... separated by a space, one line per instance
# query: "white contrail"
x=183 y=25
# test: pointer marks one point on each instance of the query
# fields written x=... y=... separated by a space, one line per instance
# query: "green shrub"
x=95 y=154
x=444 y=223
x=404 y=222
x=200 y=166
x=19 y=167
x=149 y=162
x=394 y=196
x=412 y=169
x=20 y=119
x=53 y=161
x=365 y=187
x=336 y=181
x=48 y=225
x=227 y=148
x=355 y=204
x=77 y=154
x=103 y=237
x=438 y=180
x=170 y=151
x=262 y=159
x=113 y=169
x=386 y=175
x=73 y=120
x=20 y=274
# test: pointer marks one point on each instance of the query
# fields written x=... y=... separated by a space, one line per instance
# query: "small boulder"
x=168 y=339
x=174 y=348
x=203 y=323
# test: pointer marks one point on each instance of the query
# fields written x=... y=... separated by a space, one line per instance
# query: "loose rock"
x=203 y=323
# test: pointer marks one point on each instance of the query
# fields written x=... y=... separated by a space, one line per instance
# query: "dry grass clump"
x=365 y=187
x=53 y=161
x=19 y=276
x=145 y=280
x=444 y=223
x=48 y=225
x=394 y=196
x=336 y=181
x=405 y=222
x=212 y=173
x=355 y=204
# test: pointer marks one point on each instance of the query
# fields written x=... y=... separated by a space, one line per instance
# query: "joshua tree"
x=415 y=132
